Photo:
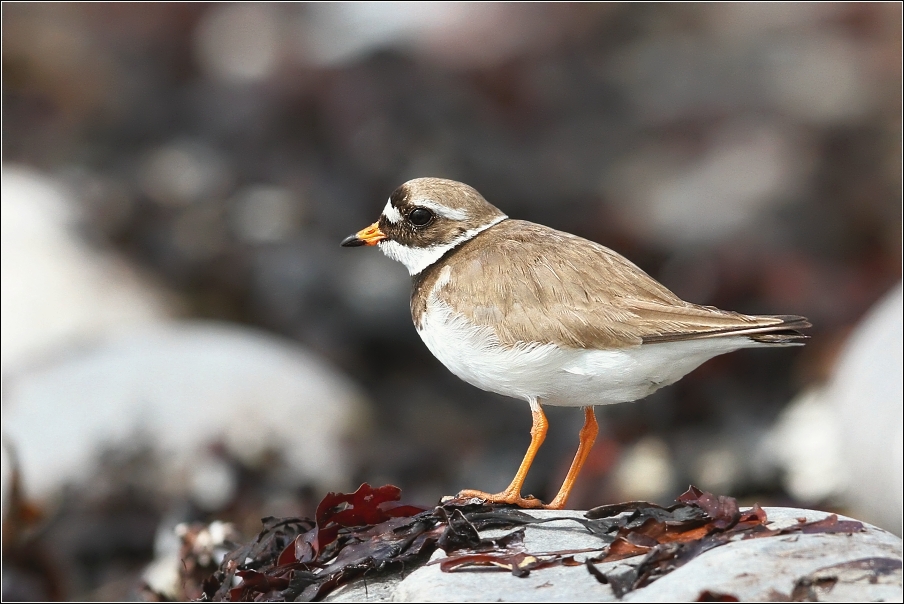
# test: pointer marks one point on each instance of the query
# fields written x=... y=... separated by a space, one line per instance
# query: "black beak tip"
x=352 y=241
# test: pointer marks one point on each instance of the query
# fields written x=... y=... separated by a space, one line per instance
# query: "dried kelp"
x=671 y=537
x=365 y=532
x=369 y=532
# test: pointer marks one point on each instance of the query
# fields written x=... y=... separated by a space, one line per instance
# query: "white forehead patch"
x=391 y=214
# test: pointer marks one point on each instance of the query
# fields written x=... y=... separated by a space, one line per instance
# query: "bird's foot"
x=509 y=497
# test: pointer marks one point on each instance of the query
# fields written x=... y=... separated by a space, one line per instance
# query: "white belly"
x=562 y=376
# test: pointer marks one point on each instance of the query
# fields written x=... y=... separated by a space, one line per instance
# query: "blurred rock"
x=818 y=78
x=375 y=289
x=745 y=172
x=239 y=43
x=185 y=556
x=180 y=388
x=57 y=291
x=718 y=469
x=806 y=444
x=866 y=393
x=212 y=482
x=843 y=441
x=265 y=214
x=183 y=172
x=645 y=471
x=463 y=35
x=750 y=21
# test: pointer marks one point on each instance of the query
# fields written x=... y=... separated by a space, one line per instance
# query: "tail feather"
x=786 y=332
x=785 y=337
x=783 y=331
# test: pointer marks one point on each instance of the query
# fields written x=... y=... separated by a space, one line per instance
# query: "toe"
x=529 y=502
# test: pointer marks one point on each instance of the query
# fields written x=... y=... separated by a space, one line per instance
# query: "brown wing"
x=532 y=283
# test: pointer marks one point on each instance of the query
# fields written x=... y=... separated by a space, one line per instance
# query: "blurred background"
x=183 y=339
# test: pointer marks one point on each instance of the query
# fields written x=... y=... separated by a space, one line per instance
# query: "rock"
x=844 y=582
x=863 y=566
x=180 y=387
x=59 y=292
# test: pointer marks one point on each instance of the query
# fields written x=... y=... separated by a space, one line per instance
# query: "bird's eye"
x=420 y=216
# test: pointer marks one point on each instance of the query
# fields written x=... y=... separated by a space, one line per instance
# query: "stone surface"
x=762 y=569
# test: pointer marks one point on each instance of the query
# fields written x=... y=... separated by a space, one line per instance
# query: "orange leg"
x=512 y=494
x=588 y=436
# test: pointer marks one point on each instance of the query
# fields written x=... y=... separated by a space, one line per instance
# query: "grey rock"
x=844 y=582
x=815 y=567
x=762 y=569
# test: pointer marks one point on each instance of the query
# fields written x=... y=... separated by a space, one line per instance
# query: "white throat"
x=417 y=259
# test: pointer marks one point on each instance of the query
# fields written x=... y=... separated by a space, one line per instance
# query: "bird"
x=530 y=312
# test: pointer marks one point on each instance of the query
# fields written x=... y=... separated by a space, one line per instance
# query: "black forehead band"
x=400 y=196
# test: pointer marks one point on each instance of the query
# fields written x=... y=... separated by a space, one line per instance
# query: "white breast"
x=561 y=376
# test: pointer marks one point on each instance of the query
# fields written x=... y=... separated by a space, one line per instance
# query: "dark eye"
x=420 y=216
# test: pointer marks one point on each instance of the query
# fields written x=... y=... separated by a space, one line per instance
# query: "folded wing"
x=531 y=283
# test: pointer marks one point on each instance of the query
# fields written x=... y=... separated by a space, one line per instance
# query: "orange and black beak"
x=372 y=235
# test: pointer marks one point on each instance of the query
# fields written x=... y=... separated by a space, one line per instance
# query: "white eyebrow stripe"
x=441 y=210
x=391 y=214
